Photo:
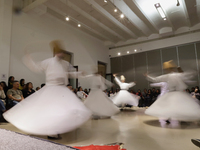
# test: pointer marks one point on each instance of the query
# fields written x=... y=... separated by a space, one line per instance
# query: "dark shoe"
x=167 y=121
x=54 y=138
x=196 y=142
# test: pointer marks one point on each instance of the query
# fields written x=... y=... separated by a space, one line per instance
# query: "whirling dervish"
x=54 y=109
x=166 y=105
x=97 y=101
x=123 y=97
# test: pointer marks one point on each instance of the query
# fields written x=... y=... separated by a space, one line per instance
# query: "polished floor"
x=133 y=128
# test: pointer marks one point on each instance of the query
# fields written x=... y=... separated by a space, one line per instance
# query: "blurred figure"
x=192 y=89
x=86 y=91
x=142 y=98
x=37 y=88
x=148 y=98
x=175 y=105
x=21 y=84
x=163 y=86
x=81 y=94
x=124 y=97
x=188 y=91
x=4 y=86
x=54 y=109
x=10 y=82
x=15 y=95
x=99 y=103
x=42 y=85
x=196 y=93
x=69 y=87
x=28 y=90
x=2 y=101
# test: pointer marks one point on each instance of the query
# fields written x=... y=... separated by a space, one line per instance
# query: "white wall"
x=40 y=31
x=5 y=37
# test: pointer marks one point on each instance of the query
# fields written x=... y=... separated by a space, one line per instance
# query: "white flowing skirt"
x=100 y=104
x=51 y=110
x=125 y=97
x=176 y=106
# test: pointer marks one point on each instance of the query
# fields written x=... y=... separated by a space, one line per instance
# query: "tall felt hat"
x=94 y=69
x=169 y=64
x=122 y=77
x=57 y=46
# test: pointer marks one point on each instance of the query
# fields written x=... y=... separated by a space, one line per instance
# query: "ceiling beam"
x=110 y=17
x=186 y=13
x=88 y=16
x=54 y=11
x=143 y=16
x=33 y=5
x=133 y=18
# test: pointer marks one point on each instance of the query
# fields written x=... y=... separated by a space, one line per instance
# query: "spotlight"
x=115 y=10
x=165 y=18
x=119 y=53
x=135 y=50
x=67 y=18
x=127 y=52
x=105 y=1
x=122 y=16
x=79 y=25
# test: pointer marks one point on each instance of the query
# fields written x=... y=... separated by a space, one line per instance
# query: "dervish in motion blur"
x=166 y=105
x=54 y=109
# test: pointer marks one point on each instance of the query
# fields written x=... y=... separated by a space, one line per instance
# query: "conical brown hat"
x=169 y=64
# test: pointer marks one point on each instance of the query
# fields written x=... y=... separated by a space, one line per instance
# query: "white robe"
x=123 y=96
x=176 y=104
x=97 y=101
x=54 y=109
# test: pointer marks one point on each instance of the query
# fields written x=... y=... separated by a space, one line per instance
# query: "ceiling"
x=141 y=23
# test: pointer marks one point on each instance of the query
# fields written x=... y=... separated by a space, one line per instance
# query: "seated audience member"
x=157 y=93
x=28 y=90
x=37 y=88
x=192 y=89
x=69 y=87
x=196 y=94
x=148 y=99
x=5 y=87
x=142 y=99
x=2 y=101
x=89 y=91
x=86 y=91
x=22 y=84
x=14 y=94
x=43 y=84
x=10 y=82
x=188 y=91
x=81 y=94
x=132 y=92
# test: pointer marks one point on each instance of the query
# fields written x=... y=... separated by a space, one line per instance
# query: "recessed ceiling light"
x=165 y=18
x=119 y=53
x=105 y=1
x=135 y=50
x=157 y=5
x=67 y=18
x=127 y=52
x=122 y=16
x=79 y=25
x=115 y=10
